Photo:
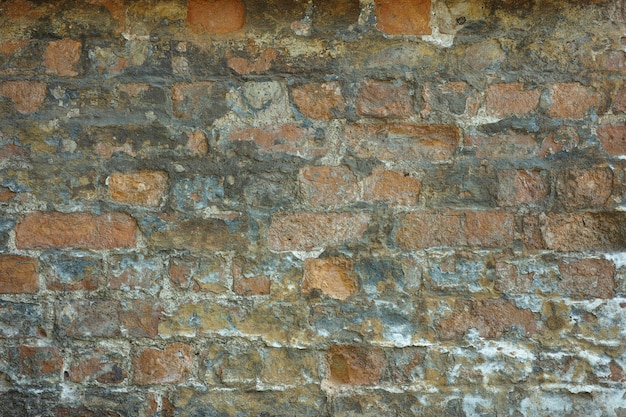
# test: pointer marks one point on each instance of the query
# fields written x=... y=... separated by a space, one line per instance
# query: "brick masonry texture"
x=312 y=208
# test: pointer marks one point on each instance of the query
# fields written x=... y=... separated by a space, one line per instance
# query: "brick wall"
x=324 y=208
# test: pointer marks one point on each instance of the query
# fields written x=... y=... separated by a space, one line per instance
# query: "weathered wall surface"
x=332 y=208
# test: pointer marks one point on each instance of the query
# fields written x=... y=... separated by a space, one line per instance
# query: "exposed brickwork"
x=312 y=208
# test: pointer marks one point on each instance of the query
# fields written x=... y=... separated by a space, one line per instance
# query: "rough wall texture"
x=332 y=208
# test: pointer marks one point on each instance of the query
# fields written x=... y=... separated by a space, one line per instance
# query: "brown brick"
x=613 y=139
x=144 y=188
x=580 y=188
x=420 y=230
x=457 y=98
x=402 y=141
x=190 y=99
x=9 y=47
x=305 y=231
x=403 y=17
x=517 y=187
x=168 y=366
x=6 y=194
x=573 y=232
x=502 y=100
x=333 y=277
x=327 y=186
x=258 y=285
x=67 y=273
x=492 y=318
x=61 y=57
x=27 y=96
x=320 y=100
x=18 y=274
x=587 y=278
x=39 y=230
x=510 y=281
x=357 y=365
x=200 y=234
x=216 y=16
x=384 y=99
x=37 y=361
x=571 y=100
x=207 y=274
x=259 y=65
x=140 y=318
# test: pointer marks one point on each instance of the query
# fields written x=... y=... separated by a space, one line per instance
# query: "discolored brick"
x=587 y=278
x=28 y=96
x=392 y=187
x=580 y=188
x=144 y=188
x=35 y=362
x=61 y=57
x=516 y=187
x=322 y=101
x=168 y=366
x=571 y=100
x=502 y=100
x=613 y=139
x=327 y=186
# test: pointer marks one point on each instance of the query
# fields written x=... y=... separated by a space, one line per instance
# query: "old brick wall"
x=324 y=208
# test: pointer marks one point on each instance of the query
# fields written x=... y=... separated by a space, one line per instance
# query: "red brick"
x=61 y=57
x=357 y=365
x=38 y=230
x=392 y=187
x=587 y=278
x=9 y=47
x=384 y=99
x=259 y=65
x=420 y=230
x=506 y=145
x=579 y=188
x=306 y=231
x=289 y=138
x=489 y=228
x=492 y=318
x=216 y=16
x=613 y=139
x=571 y=100
x=97 y=365
x=503 y=100
x=168 y=366
x=402 y=141
x=322 y=101
x=18 y=275
x=258 y=285
x=140 y=318
x=403 y=17
x=143 y=188
x=517 y=187
x=327 y=186
x=333 y=277
x=37 y=361
x=27 y=96
x=573 y=232
x=190 y=99
x=5 y=194
x=197 y=143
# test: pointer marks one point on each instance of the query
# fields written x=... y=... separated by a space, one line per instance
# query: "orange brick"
x=169 y=366
x=333 y=277
x=392 y=187
x=319 y=100
x=613 y=139
x=144 y=188
x=216 y=16
x=38 y=230
x=18 y=274
x=358 y=365
x=403 y=17
x=571 y=100
x=510 y=99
